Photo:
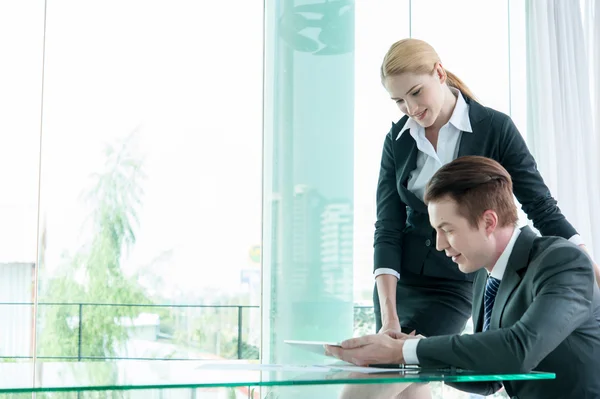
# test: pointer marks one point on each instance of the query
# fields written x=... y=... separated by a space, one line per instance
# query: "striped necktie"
x=491 y=289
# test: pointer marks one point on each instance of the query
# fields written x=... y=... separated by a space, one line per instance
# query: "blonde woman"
x=419 y=288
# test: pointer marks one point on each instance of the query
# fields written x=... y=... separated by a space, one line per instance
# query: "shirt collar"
x=459 y=118
x=502 y=262
x=460 y=115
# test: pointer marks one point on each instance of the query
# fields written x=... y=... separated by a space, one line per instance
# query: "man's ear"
x=490 y=221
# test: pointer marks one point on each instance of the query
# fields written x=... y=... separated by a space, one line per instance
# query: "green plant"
x=364 y=321
x=93 y=274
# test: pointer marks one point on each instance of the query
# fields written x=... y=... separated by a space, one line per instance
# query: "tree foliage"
x=93 y=274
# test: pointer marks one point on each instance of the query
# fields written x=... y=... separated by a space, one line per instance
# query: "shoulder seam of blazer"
x=478 y=111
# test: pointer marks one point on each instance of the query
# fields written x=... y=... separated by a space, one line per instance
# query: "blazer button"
x=428 y=242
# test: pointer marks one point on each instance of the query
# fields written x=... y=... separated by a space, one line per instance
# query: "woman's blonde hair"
x=417 y=56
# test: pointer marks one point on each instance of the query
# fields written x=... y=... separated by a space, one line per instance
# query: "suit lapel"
x=406 y=148
x=518 y=260
x=479 y=288
x=473 y=143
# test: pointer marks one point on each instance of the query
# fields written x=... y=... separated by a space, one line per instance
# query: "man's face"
x=468 y=246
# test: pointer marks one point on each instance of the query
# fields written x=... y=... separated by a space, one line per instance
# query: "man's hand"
x=596 y=268
x=370 y=349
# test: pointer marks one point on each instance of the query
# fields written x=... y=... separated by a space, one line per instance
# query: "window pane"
x=471 y=38
x=151 y=187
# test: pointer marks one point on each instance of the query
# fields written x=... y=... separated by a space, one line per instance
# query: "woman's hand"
x=391 y=328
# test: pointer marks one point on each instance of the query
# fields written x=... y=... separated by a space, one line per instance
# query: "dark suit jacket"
x=545 y=318
x=404 y=239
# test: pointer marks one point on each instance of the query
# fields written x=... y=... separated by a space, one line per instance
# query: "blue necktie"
x=491 y=289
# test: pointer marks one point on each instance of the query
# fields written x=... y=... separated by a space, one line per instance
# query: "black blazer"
x=404 y=239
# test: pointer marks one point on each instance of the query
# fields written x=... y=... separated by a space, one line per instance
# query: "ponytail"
x=453 y=81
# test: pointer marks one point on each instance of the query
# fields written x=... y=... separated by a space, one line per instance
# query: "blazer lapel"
x=473 y=143
x=518 y=260
x=479 y=288
x=407 y=150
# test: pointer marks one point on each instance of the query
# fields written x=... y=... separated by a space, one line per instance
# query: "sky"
x=187 y=76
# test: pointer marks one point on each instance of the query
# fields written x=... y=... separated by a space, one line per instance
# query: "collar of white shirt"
x=459 y=119
x=500 y=266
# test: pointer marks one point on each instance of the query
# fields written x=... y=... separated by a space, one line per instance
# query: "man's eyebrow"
x=443 y=224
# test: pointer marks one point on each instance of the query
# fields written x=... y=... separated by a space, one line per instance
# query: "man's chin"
x=465 y=269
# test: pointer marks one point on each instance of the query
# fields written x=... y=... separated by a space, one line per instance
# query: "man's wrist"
x=409 y=351
x=399 y=352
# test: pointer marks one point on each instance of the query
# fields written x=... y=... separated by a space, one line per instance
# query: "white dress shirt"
x=429 y=160
x=409 y=350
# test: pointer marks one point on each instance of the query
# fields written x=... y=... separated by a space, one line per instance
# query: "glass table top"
x=157 y=374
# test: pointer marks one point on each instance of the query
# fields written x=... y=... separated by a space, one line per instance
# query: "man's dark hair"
x=477 y=184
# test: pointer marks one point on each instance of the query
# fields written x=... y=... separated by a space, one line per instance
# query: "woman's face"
x=419 y=96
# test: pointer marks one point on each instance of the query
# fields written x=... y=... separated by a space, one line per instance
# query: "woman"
x=417 y=287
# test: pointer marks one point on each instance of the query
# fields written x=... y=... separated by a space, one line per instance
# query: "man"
x=535 y=305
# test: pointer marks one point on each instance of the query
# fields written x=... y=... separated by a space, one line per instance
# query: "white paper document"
x=311 y=346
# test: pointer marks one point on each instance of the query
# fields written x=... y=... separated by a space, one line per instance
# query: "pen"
x=395 y=366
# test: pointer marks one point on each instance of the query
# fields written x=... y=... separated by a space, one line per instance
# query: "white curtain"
x=591 y=22
x=561 y=37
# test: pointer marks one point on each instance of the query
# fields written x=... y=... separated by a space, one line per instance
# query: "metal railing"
x=80 y=326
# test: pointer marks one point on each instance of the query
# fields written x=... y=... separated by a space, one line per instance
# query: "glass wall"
x=184 y=145
x=326 y=116
x=308 y=175
x=151 y=181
